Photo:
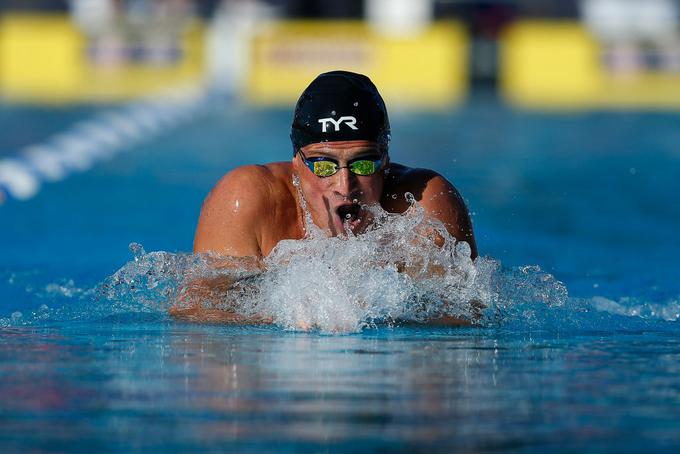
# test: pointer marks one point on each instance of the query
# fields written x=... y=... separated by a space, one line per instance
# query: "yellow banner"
x=46 y=58
x=550 y=64
x=427 y=70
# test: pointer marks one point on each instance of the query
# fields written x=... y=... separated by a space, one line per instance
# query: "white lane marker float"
x=87 y=142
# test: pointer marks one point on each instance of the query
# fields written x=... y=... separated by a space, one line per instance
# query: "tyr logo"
x=349 y=121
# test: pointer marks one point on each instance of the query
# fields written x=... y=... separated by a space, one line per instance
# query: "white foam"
x=392 y=273
x=632 y=307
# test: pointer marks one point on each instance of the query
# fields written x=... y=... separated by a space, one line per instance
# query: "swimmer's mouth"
x=348 y=212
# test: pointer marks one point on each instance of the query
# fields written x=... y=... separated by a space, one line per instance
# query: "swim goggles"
x=325 y=167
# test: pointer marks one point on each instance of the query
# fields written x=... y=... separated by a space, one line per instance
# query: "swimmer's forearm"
x=208 y=300
x=471 y=318
x=198 y=314
x=444 y=320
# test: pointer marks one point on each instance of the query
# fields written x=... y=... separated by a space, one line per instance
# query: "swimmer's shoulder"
x=256 y=183
x=236 y=214
x=401 y=175
x=436 y=195
x=417 y=181
x=257 y=191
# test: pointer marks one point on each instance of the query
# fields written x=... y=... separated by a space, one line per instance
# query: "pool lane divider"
x=101 y=137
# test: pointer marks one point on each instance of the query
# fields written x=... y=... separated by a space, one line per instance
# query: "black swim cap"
x=340 y=105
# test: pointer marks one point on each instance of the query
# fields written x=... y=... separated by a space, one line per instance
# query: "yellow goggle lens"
x=363 y=167
x=325 y=168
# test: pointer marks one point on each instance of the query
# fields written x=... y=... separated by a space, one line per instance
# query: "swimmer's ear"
x=297 y=161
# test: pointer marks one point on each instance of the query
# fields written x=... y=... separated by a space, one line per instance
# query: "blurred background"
x=572 y=53
x=557 y=120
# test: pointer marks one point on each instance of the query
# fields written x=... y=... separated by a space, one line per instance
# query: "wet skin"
x=254 y=207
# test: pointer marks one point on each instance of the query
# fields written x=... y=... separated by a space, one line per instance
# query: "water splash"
x=635 y=307
x=392 y=274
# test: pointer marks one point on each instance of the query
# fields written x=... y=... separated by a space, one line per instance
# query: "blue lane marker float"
x=87 y=142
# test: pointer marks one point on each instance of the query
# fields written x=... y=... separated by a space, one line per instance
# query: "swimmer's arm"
x=204 y=300
x=208 y=300
x=231 y=218
x=228 y=231
x=442 y=201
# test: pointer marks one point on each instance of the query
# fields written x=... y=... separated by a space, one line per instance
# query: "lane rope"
x=87 y=142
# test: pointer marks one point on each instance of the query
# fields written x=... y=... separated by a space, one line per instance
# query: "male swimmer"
x=340 y=136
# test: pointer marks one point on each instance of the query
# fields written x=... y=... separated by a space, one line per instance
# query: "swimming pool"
x=590 y=198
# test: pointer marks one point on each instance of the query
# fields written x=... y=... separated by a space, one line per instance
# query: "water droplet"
x=333 y=113
x=137 y=250
x=632 y=170
x=377 y=280
x=355 y=201
x=356 y=103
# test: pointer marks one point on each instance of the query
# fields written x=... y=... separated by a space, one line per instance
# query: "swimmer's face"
x=335 y=202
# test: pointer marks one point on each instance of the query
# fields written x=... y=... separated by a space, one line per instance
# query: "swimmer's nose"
x=345 y=182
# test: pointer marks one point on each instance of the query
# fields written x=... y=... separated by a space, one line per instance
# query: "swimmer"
x=340 y=165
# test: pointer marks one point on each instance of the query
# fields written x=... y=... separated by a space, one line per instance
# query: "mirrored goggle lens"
x=324 y=168
x=363 y=167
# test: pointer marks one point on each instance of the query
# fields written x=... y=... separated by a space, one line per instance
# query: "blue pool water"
x=89 y=360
